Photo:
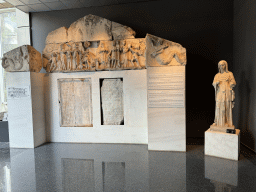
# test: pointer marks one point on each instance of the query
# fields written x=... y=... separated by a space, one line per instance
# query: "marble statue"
x=23 y=58
x=223 y=83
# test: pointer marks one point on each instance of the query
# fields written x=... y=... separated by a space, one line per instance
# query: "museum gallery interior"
x=127 y=95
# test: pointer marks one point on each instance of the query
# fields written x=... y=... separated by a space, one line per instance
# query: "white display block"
x=134 y=129
x=224 y=145
x=26 y=118
x=166 y=113
x=221 y=170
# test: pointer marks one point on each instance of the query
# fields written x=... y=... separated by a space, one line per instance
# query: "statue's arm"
x=215 y=82
x=232 y=81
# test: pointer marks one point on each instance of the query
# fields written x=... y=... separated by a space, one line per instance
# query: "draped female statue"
x=223 y=83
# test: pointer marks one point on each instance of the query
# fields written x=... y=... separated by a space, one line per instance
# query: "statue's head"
x=223 y=66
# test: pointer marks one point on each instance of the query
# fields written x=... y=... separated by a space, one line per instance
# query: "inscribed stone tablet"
x=112 y=101
x=75 y=100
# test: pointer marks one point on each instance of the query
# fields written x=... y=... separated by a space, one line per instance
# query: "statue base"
x=224 y=129
x=220 y=144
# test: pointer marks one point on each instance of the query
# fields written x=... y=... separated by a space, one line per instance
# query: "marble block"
x=224 y=145
x=25 y=109
x=166 y=108
x=23 y=58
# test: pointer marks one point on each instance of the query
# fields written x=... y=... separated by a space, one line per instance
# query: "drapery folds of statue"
x=223 y=83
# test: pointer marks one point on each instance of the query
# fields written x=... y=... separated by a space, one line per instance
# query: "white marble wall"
x=26 y=115
x=134 y=129
x=167 y=126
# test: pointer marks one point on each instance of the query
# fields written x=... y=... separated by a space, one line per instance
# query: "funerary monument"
x=102 y=85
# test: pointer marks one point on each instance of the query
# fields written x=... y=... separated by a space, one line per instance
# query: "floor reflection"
x=113 y=176
x=78 y=175
x=167 y=171
x=222 y=187
x=5 y=177
x=59 y=167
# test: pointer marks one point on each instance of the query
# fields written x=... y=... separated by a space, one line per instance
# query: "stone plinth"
x=26 y=117
x=224 y=145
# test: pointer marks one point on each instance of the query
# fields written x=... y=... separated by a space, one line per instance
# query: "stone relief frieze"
x=161 y=52
x=103 y=55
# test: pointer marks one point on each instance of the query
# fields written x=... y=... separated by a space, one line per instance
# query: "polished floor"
x=64 y=167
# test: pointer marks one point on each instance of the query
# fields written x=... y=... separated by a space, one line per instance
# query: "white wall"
x=134 y=129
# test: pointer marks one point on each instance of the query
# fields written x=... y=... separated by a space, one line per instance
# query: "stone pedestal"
x=26 y=117
x=224 y=145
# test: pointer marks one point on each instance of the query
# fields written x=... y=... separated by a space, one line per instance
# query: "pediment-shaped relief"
x=162 y=53
x=93 y=43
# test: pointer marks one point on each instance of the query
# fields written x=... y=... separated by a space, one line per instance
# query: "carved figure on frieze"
x=115 y=57
x=126 y=54
x=69 y=61
x=59 y=64
x=80 y=63
x=53 y=62
x=74 y=60
x=103 y=57
x=224 y=83
x=88 y=61
x=84 y=45
x=117 y=50
x=135 y=50
x=63 y=64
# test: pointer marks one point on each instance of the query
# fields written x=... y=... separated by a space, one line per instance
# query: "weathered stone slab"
x=23 y=58
x=90 y=28
x=122 y=32
x=112 y=102
x=75 y=99
x=59 y=35
x=162 y=53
